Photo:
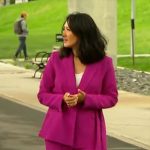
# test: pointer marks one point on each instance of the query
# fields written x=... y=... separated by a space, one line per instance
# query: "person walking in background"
x=77 y=84
x=22 y=33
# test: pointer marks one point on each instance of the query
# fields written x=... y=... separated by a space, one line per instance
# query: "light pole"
x=132 y=29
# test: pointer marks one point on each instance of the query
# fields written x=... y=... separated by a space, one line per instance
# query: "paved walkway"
x=20 y=124
x=136 y=55
x=128 y=121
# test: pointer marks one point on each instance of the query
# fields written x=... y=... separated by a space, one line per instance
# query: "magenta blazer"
x=83 y=125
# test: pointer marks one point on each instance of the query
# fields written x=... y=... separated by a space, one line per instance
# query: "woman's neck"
x=74 y=52
x=79 y=67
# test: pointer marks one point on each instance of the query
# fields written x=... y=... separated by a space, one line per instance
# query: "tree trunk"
x=4 y=2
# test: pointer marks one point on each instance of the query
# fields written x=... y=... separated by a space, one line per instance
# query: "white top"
x=78 y=78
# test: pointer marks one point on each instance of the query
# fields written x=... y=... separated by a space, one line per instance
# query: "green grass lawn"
x=140 y=63
x=142 y=26
x=45 y=18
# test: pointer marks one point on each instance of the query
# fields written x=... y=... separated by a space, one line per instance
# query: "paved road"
x=19 y=126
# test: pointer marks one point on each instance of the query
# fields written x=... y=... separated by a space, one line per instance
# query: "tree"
x=5 y=2
x=12 y=1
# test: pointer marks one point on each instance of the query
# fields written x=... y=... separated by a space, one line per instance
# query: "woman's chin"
x=66 y=45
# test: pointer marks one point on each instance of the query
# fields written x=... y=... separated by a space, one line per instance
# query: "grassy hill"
x=142 y=26
x=45 y=19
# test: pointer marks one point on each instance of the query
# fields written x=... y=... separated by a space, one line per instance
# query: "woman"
x=78 y=82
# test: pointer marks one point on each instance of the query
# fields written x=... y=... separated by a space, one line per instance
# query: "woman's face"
x=70 y=39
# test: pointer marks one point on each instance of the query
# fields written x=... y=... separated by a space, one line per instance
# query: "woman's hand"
x=70 y=100
x=73 y=100
x=81 y=96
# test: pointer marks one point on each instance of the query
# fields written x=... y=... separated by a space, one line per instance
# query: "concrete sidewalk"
x=128 y=121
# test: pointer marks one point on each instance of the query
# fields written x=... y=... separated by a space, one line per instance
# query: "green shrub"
x=12 y=1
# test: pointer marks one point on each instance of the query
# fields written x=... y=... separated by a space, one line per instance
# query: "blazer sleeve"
x=45 y=94
x=108 y=96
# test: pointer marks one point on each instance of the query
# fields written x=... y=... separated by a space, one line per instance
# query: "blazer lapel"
x=70 y=71
x=88 y=74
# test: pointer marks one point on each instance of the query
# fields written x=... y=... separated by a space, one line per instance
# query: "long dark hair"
x=91 y=42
